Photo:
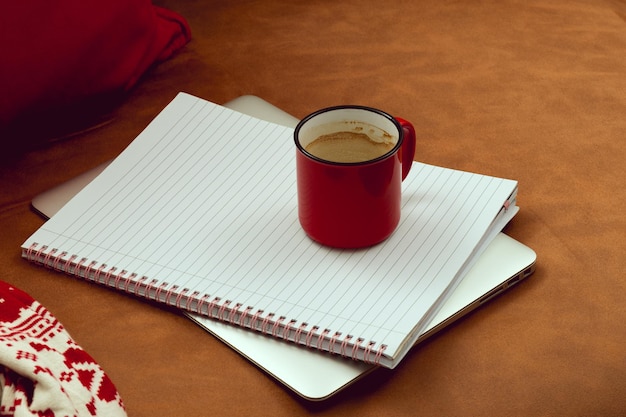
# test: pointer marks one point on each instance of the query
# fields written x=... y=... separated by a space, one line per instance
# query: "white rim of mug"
x=386 y=155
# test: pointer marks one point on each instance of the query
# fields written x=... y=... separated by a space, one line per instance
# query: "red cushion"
x=58 y=54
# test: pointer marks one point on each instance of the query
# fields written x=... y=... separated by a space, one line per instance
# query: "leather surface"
x=534 y=91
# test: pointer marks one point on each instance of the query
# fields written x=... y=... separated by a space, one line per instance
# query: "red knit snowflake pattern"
x=43 y=372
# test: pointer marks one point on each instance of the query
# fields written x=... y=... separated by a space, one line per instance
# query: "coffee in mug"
x=346 y=146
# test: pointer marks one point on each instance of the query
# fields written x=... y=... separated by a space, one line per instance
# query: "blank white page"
x=200 y=211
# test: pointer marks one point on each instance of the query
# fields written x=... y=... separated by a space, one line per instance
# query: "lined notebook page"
x=205 y=200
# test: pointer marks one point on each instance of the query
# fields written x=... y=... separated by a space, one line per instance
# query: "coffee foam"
x=349 y=146
x=311 y=132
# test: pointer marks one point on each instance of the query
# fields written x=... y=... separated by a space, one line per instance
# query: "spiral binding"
x=216 y=308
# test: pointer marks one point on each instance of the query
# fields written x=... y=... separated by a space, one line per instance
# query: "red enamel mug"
x=351 y=203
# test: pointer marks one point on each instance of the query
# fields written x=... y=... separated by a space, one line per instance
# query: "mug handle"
x=408 y=146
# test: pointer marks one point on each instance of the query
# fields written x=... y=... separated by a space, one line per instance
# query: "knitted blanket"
x=43 y=372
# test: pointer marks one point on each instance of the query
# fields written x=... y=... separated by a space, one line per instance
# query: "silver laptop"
x=311 y=374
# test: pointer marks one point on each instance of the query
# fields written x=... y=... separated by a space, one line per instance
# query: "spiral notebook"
x=199 y=213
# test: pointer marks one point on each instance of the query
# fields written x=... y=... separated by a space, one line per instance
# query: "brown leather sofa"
x=534 y=91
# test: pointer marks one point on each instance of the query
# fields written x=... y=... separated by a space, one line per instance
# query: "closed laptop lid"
x=312 y=374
